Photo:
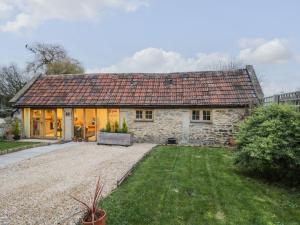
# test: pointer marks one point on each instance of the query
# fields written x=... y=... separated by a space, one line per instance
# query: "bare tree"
x=226 y=65
x=12 y=80
x=49 y=58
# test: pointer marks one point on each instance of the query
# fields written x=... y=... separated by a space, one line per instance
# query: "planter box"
x=106 y=138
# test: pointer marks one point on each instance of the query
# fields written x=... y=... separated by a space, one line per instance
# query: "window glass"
x=78 y=123
x=206 y=115
x=139 y=114
x=196 y=115
x=59 y=122
x=149 y=115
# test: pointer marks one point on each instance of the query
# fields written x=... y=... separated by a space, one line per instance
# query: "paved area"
x=37 y=190
x=15 y=157
x=39 y=140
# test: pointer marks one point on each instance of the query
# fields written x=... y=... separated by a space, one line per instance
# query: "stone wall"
x=177 y=123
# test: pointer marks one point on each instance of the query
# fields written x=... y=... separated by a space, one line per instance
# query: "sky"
x=161 y=35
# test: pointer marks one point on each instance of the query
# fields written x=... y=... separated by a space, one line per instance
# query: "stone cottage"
x=199 y=108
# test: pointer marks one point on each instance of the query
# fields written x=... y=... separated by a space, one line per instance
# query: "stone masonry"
x=177 y=123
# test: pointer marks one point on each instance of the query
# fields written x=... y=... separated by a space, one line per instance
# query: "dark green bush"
x=269 y=140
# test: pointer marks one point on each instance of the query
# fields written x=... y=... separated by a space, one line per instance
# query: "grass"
x=194 y=186
x=6 y=145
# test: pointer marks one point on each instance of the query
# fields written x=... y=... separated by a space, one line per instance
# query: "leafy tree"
x=52 y=59
x=269 y=140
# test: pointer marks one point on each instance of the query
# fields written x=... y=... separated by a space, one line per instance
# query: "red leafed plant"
x=92 y=212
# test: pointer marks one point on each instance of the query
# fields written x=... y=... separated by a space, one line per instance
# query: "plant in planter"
x=115 y=136
x=16 y=130
x=93 y=214
x=124 y=127
x=116 y=127
x=108 y=127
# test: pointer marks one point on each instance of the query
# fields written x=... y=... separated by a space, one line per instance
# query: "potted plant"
x=16 y=130
x=115 y=135
x=93 y=214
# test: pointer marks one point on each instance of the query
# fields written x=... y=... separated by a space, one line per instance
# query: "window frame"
x=136 y=113
x=144 y=119
x=201 y=116
x=194 y=116
x=206 y=115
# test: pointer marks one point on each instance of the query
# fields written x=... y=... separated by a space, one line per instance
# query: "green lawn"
x=4 y=145
x=194 y=186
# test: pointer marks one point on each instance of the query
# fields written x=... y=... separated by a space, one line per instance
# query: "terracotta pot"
x=232 y=141
x=100 y=221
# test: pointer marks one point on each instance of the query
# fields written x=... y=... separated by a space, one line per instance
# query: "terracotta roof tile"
x=210 y=88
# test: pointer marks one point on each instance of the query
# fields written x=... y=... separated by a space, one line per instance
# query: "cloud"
x=159 y=60
x=28 y=14
x=264 y=52
x=252 y=51
x=271 y=88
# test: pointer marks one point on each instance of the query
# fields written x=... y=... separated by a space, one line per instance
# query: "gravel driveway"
x=36 y=190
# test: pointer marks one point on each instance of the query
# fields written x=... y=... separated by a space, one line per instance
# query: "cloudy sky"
x=161 y=35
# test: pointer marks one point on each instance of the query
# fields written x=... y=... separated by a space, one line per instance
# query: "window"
x=201 y=115
x=139 y=114
x=144 y=115
x=196 y=115
x=206 y=115
x=149 y=115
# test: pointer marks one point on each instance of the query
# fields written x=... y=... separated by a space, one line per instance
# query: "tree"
x=52 y=59
x=64 y=67
x=226 y=65
x=12 y=80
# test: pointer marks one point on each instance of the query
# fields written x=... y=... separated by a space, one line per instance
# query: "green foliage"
x=124 y=127
x=64 y=67
x=116 y=127
x=16 y=128
x=108 y=127
x=269 y=140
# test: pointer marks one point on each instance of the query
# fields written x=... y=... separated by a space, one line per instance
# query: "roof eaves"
x=24 y=89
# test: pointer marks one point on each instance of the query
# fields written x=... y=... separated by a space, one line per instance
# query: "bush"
x=116 y=128
x=16 y=128
x=269 y=140
x=124 y=127
x=108 y=127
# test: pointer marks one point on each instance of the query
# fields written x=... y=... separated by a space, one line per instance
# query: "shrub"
x=16 y=128
x=124 y=127
x=269 y=140
x=116 y=127
x=108 y=127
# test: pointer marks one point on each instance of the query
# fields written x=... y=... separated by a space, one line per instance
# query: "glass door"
x=59 y=123
x=90 y=124
x=78 y=123
x=50 y=121
x=36 y=123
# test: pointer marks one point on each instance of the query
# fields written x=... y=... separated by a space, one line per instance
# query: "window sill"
x=143 y=120
x=201 y=121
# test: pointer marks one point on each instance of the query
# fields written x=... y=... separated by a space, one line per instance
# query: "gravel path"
x=37 y=190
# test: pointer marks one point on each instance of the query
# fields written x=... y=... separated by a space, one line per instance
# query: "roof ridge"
x=148 y=73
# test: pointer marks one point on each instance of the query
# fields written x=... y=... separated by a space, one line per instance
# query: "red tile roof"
x=209 y=88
